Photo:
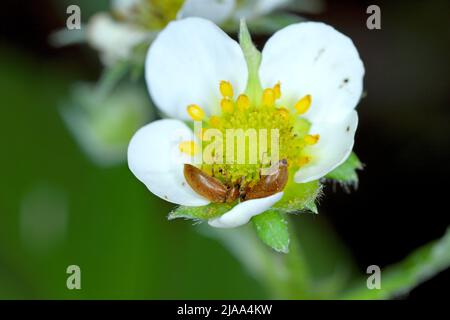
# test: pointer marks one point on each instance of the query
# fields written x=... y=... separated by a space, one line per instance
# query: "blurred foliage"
x=116 y=231
x=398 y=280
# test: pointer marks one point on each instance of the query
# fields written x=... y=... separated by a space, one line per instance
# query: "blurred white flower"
x=124 y=8
x=138 y=21
x=253 y=9
x=115 y=41
x=103 y=124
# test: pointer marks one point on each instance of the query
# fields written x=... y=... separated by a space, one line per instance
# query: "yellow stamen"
x=303 y=160
x=277 y=90
x=303 y=104
x=195 y=112
x=243 y=102
x=188 y=147
x=268 y=98
x=283 y=112
x=214 y=121
x=311 y=139
x=227 y=105
x=226 y=89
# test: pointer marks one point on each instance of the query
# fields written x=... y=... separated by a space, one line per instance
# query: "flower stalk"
x=284 y=276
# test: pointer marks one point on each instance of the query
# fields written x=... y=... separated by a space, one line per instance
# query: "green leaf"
x=253 y=59
x=299 y=196
x=346 y=172
x=209 y=211
x=272 y=229
x=398 y=279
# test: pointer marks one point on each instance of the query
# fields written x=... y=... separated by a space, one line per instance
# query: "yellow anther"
x=311 y=139
x=268 y=98
x=277 y=90
x=227 y=105
x=283 y=112
x=214 y=121
x=303 y=104
x=303 y=160
x=226 y=89
x=243 y=102
x=195 y=112
x=188 y=147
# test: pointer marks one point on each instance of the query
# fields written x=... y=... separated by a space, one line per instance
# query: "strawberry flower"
x=305 y=83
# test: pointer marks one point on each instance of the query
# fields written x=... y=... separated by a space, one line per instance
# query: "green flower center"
x=247 y=136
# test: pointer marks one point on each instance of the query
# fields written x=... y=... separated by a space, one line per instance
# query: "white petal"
x=244 y=211
x=334 y=146
x=186 y=63
x=215 y=10
x=114 y=40
x=313 y=58
x=155 y=159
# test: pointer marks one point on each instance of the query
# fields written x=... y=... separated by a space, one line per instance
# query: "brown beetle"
x=215 y=191
x=209 y=187
x=269 y=184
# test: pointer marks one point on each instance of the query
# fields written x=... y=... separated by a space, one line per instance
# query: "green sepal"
x=346 y=173
x=299 y=197
x=253 y=60
x=272 y=229
x=311 y=206
x=207 y=212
